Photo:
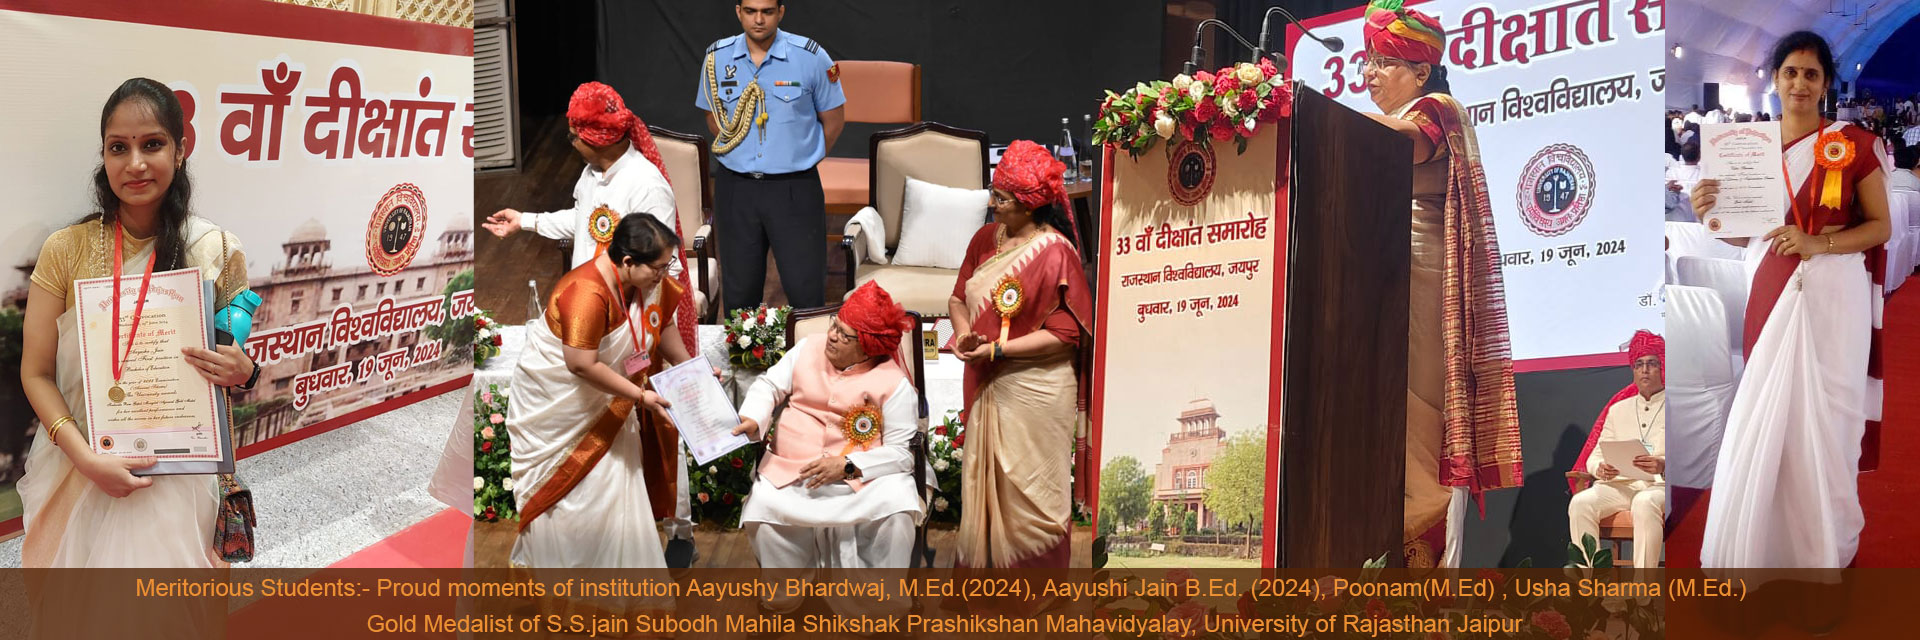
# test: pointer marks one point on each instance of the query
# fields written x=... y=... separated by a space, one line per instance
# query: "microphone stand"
x=1333 y=44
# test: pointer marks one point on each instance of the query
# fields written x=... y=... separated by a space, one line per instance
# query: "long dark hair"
x=641 y=238
x=171 y=245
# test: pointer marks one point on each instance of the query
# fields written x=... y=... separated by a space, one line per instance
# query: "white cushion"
x=937 y=223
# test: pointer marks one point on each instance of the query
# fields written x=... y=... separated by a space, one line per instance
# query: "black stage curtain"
x=1557 y=409
x=1009 y=68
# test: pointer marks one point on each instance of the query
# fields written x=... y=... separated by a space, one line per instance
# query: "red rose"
x=1186 y=128
x=1247 y=128
x=728 y=498
x=1203 y=77
x=759 y=351
x=1377 y=609
x=1267 y=69
x=486 y=446
x=940 y=429
x=1205 y=111
x=480 y=322
x=1126 y=118
x=1554 y=624
x=737 y=463
x=1222 y=130
x=1225 y=83
x=763 y=315
x=732 y=337
x=960 y=440
x=1246 y=101
x=489 y=514
x=496 y=340
x=1153 y=112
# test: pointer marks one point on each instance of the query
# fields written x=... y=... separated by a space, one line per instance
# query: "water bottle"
x=533 y=302
x=1066 y=151
x=1087 y=154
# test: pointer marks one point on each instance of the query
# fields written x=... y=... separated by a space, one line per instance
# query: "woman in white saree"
x=84 y=509
x=1785 y=493
x=593 y=455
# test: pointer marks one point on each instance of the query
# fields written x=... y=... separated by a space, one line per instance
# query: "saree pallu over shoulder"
x=1772 y=272
x=1026 y=418
x=1481 y=446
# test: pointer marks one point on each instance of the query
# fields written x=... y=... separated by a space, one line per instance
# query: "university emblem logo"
x=1190 y=173
x=1556 y=190
x=398 y=225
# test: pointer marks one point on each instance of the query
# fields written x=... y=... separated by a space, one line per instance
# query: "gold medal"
x=115 y=394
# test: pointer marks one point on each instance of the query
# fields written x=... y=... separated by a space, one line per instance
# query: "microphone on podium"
x=1199 y=51
x=1332 y=43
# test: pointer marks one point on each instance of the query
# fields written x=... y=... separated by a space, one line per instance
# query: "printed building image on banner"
x=1186 y=341
x=344 y=169
x=1558 y=91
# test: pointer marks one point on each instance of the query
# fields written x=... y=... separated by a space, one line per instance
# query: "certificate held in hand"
x=1745 y=158
x=700 y=409
x=142 y=396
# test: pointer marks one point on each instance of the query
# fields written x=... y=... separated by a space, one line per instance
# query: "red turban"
x=1035 y=179
x=1647 y=343
x=872 y=313
x=1398 y=32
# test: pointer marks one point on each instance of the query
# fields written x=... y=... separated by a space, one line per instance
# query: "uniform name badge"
x=640 y=360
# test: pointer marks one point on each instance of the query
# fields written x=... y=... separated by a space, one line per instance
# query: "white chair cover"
x=1729 y=279
x=1690 y=239
x=1700 y=384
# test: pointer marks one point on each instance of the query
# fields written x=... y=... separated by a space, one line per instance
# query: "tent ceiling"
x=1727 y=40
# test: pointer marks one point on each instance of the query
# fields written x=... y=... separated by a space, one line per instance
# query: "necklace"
x=1646 y=421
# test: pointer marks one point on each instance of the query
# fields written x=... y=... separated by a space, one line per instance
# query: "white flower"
x=507 y=483
x=1165 y=126
x=956 y=454
x=479 y=483
x=745 y=342
x=1252 y=123
x=1248 y=74
x=1197 y=91
x=712 y=469
x=1182 y=82
x=940 y=465
x=1230 y=110
x=939 y=504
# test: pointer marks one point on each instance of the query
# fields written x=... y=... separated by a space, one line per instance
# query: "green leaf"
x=1588 y=543
x=1574 y=557
x=1603 y=559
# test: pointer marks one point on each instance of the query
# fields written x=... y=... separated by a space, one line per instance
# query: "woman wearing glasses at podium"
x=1463 y=431
x=1785 y=491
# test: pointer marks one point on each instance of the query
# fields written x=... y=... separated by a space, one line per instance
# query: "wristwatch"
x=252 y=379
x=852 y=471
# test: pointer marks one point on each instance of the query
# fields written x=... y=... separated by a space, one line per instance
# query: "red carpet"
x=1887 y=495
x=438 y=542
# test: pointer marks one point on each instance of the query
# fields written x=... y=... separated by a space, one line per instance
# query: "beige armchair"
x=928 y=152
x=815 y=322
x=685 y=156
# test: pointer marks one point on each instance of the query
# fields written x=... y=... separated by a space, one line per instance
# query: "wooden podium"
x=1263 y=293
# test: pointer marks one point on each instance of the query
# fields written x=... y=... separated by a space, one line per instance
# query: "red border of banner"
x=1276 y=372
x=10 y=527
x=1100 y=322
x=270 y=19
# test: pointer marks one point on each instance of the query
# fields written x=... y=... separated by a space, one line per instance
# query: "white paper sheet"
x=700 y=408
x=1620 y=454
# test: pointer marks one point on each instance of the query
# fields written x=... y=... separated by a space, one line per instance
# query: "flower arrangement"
x=757 y=338
x=944 y=453
x=486 y=338
x=721 y=486
x=492 y=462
x=1229 y=104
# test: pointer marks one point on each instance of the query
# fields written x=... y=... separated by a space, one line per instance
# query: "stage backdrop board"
x=1564 y=95
x=354 y=221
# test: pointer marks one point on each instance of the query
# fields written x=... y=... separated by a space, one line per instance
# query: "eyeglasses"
x=997 y=199
x=1648 y=364
x=834 y=331
x=1381 y=62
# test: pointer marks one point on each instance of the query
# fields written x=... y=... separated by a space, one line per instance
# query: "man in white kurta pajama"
x=1641 y=417
x=834 y=492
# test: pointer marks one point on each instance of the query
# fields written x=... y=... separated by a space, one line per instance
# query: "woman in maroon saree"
x=1021 y=312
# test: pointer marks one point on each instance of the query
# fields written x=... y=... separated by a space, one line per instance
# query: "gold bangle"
x=1829 y=242
x=54 y=431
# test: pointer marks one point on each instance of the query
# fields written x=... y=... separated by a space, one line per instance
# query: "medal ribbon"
x=145 y=280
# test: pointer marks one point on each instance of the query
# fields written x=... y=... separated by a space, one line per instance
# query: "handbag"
x=233 y=530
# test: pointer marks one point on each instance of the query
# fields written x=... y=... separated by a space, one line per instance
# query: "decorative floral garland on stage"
x=1230 y=104
x=492 y=458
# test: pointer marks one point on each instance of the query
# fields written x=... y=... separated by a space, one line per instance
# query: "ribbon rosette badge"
x=1007 y=297
x=601 y=224
x=861 y=427
x=1834 y=155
